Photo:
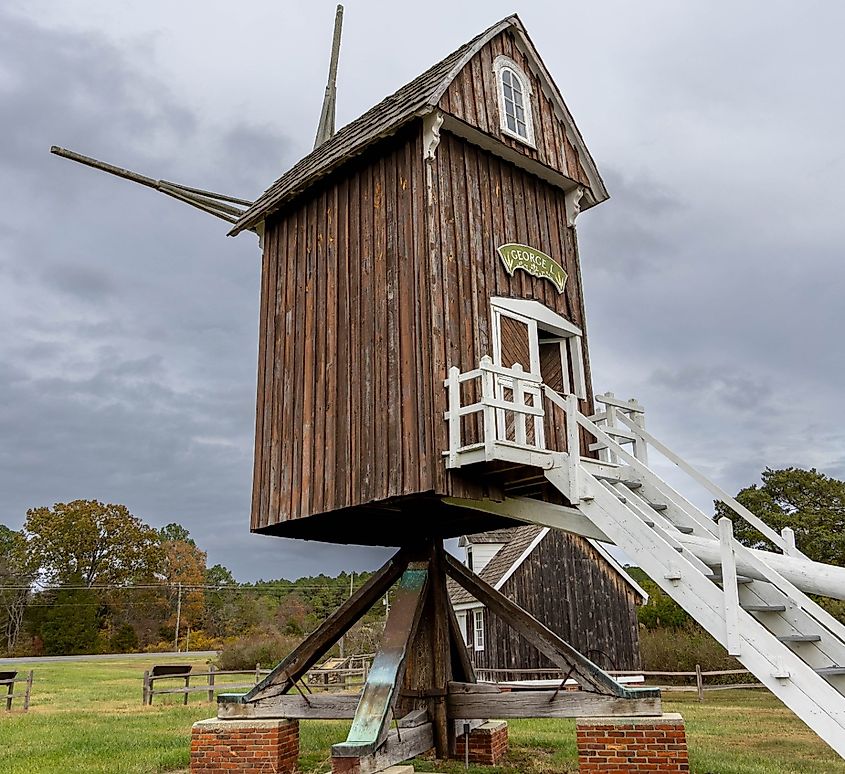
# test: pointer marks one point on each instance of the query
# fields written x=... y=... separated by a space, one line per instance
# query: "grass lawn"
x=87 y=717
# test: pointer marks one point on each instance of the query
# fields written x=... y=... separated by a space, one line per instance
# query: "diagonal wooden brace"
x=318 y=643
x=582 y=670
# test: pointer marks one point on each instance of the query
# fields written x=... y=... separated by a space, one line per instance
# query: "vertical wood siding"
x=473 y=97
x=479 y=203
x=344 y=398
x=373 y=286
x=568 y=586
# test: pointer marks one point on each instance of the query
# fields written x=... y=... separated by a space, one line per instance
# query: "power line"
x=185 y=586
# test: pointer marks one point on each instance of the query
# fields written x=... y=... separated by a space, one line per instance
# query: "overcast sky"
x=714 y=276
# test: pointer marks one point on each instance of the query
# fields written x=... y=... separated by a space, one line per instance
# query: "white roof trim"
x=598 y=191
x=463 y=607
x=537 y=311
x=626 y=576
x=525 y=554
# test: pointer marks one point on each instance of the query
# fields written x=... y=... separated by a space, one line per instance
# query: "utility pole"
x=178 y=618
x=342 y=642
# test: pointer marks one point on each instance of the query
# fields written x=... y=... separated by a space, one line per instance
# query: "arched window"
x=514 y=100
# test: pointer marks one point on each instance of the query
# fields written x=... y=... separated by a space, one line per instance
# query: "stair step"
x=799 y=638
x=831 y=671
x=633 y=484
x=659 y=506
x=684 y=529
x=741 y=580
x=765 y=608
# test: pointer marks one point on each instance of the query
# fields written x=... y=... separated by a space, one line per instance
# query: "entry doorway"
x=541 y=341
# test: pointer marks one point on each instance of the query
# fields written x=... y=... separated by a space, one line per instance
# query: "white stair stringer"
x=787 y=669
x=754 y=602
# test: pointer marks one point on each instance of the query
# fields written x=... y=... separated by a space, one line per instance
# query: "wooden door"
x=516 y=343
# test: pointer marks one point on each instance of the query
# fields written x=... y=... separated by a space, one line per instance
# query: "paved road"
x=109 y=657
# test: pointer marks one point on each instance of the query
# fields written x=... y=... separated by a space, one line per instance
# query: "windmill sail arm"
x=228 y=208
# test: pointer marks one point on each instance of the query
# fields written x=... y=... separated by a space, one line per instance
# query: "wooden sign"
x=535 y=262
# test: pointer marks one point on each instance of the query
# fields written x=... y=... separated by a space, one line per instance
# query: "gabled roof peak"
x=417 y=98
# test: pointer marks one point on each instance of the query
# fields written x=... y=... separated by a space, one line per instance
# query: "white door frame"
x=533 y=313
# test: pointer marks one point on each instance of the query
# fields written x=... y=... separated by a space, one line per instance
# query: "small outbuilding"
x=573 y=585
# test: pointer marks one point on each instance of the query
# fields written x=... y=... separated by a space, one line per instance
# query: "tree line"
x=90 y=577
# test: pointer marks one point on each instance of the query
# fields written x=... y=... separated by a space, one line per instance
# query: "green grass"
x=87 y=717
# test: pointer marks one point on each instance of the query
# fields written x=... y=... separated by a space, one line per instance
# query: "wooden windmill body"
x=424 y=373
x=381 y=271
x=432 y=234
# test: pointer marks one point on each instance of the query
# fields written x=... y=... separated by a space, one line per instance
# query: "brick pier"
x=632 y=745
x=244 y=746
x=488 y=743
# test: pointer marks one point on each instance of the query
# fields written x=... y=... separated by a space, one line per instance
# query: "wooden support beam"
x=315 y=706
x=372 y=718
x=317 y=644
x=470 y=704
x=557 y=650
x=400 y=745
x=441 y=651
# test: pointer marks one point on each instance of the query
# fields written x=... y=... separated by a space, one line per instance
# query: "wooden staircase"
x=753 y=602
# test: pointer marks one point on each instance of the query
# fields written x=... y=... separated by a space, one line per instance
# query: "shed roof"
x=493 y=536
x=517 y=541
x=414 y=99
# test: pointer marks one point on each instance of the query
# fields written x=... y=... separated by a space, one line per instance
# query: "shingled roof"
x=517 y=541
x=414 y=99
x=493 y=536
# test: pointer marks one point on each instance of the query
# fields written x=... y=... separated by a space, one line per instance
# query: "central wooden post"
x=414 y=666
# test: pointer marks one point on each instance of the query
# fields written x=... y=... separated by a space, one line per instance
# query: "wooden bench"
x=167 y=670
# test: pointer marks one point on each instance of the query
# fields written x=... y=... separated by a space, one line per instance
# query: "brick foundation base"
x=244 y=746
x=488 y=744
x=632 y=745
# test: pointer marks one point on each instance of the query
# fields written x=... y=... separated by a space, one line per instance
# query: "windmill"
x=424 y=373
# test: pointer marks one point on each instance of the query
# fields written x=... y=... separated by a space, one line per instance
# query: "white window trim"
x=478 y=626
x=462 y=626
x=500 y=63
x=533 y=364
x=531 y=313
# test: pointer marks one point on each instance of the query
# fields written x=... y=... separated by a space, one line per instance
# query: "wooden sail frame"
x=223 y=206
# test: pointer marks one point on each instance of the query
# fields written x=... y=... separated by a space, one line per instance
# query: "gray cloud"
x=127 y=365
x=130 y=376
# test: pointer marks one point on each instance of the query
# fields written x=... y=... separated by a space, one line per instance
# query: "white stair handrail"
x=769 y=573
x=714 y=489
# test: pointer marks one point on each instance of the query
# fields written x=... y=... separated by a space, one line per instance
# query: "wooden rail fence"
x=652 y=679
x=10 y=679
x=315 y=680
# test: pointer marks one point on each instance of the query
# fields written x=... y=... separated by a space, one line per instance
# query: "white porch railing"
x=509 y=401
x=608 y=420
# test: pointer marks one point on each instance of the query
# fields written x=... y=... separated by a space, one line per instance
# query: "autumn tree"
x=182 y=568
x=95 y=543
x=174 y=532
